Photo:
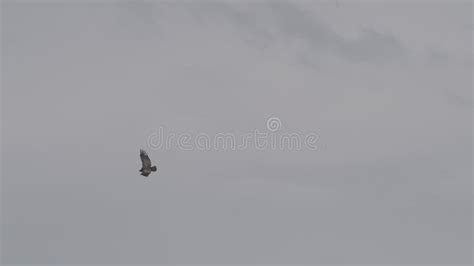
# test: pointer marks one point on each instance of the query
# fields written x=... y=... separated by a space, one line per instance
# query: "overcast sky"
x=386 y=86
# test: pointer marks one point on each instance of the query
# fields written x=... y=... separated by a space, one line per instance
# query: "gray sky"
x=387 y=87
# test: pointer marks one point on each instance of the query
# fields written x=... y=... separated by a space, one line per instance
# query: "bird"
x=146 y=164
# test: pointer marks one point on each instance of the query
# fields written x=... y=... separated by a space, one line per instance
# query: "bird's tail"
x=153 y=168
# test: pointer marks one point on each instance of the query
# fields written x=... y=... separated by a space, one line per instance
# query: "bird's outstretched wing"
x=146 y=162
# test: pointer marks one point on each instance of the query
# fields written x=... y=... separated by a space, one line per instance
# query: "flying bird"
x=146 y=164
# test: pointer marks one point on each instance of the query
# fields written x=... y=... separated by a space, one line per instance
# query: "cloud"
x=271 y=24
x=84 y=85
